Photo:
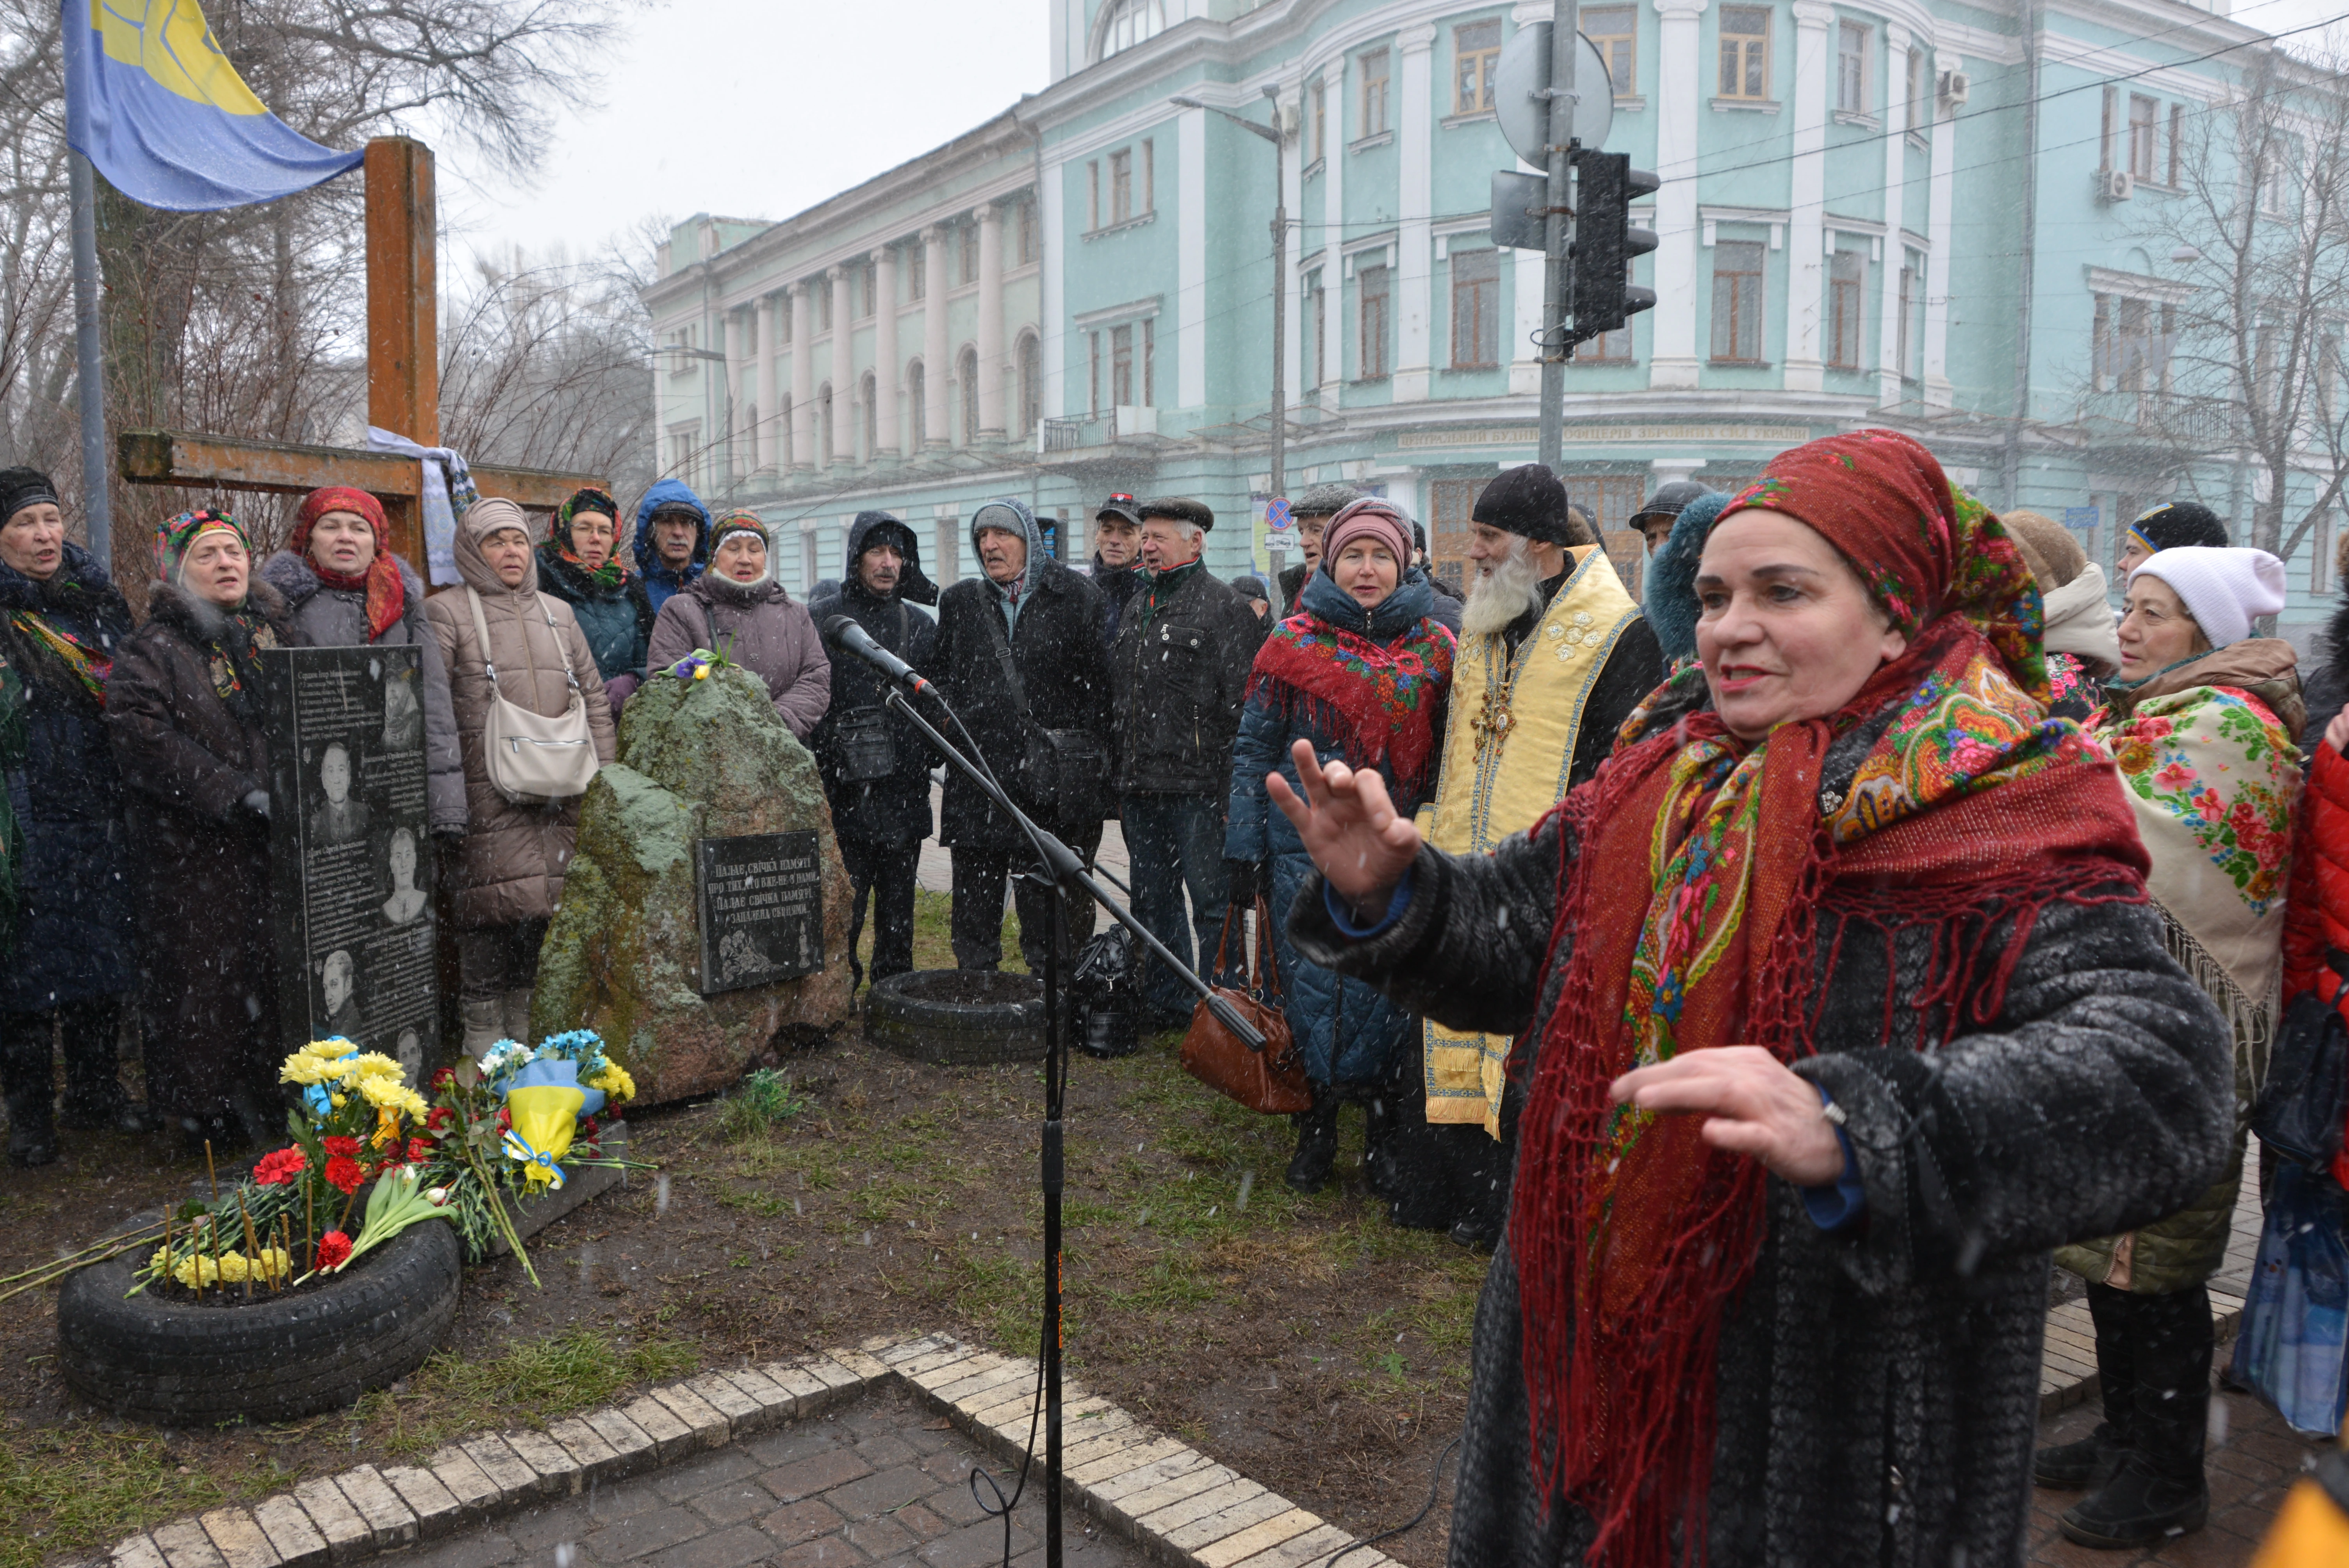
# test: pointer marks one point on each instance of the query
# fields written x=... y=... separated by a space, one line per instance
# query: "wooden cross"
x=403 y=383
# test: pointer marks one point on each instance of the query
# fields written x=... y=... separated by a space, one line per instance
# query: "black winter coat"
x=75 y=927
x=189 y=760
x=1178 y=675
x=1118 y=585
x=1056 y=651
x=1877 y=1387
x=895 y=811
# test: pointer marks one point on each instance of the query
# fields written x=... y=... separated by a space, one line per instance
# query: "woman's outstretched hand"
x=1349 y=828
x=1753 y=1104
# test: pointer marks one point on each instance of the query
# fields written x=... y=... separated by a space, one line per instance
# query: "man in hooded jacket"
x=1019 y=655
x=875 y=766
x=663 y=554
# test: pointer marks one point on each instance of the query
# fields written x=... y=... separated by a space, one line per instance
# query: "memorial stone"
x=350 y=850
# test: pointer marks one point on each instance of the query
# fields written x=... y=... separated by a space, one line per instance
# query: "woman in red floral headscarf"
x=345 y=588
x=1850 y=1009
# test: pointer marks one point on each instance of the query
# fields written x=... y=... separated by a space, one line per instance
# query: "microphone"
x=843 y=633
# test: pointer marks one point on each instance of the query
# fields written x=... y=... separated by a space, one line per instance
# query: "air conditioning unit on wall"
x=1956 y=85
x=2114 y=184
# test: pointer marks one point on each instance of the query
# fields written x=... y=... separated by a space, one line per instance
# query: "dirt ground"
x=1303 y=1341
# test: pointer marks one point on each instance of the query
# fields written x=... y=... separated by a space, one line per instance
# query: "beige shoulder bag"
x=536 y=761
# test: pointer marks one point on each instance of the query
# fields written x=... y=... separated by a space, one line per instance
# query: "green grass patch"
x=529 y=1385
x=67 y=1487
x=763 y=1101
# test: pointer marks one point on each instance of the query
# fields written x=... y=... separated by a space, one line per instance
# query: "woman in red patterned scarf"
x=1851 y=1010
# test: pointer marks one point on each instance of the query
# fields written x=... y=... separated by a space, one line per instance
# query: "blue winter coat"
x=616 y=621
x=1347 y=1032
x=659 y=580
x=76 y=939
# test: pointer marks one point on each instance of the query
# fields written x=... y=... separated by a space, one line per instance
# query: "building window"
x=1024 y=219
x=968 y=365
x=2143 y=111
x=1606 y=348
x=1371 y=358
x=1744 y=52
x=2132 y=344
x=2177 y=126
x=1851 y=68
x=1031 y=383
x=969 y=253
x=1847 y=281
x=918 y=269
x=1132 y=22
x=807 y=563
x=1475 y=52
x=784 y=442
x=2105 y=128
x=868 y=397
x=1319 y=96
x=1092 y=373
x=1317 y=326
x=681 y=454
x=1614 y=30
x=1374 y=92
x=1122 y=366
x=1121 y=185
x=1911 y=301
x=1149 y=175
x=947 y=551
x=1737 y=301
x=1450 y=503
x=871 y=272
x=1920 y=91
x=918 y=398
x=1093 y=195
x=1475 y=309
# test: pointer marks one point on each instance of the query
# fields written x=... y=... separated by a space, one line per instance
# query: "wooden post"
x=403 y=313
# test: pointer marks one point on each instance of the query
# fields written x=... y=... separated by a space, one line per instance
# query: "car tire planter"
x=957 y=1017
x=313 y=1349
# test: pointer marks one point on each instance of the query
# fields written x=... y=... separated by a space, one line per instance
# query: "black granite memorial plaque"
x=350 y=850
x=762 y=899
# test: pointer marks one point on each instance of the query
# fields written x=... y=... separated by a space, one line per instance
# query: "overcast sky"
x=757 y=108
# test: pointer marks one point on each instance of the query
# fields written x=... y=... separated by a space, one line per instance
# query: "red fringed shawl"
x=1381 y=705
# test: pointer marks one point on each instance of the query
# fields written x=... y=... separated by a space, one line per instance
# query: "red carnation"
x=276 y=1170
x=418 y=1151
x=505 y=1119
x=441 y=1115
x=334 y=1250
x=444 y=1077
x=587 y=1126
x=348 y=1148
x=343 y=1174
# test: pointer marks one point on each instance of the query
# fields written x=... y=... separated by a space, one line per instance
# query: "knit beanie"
x=1527 y=501
x=1325 y=500
x=175 y=538
x=2048 y=547
x=1367 y=518
x=736 y=522
x=21 y=487
x=1671 y=588
x=2224 y=588
x=2175 y=523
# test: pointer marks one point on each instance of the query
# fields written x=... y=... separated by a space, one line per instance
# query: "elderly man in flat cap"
x=1553 y=655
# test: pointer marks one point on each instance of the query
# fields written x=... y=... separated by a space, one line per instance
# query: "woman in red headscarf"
x=1850 y=1008
x=345 y=588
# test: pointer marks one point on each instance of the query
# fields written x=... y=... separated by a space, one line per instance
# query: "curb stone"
x=1178 y=1505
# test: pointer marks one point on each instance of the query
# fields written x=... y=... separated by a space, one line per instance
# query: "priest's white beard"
x=1503 y=590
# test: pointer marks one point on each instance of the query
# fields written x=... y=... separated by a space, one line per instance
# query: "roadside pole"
x=1556 y=280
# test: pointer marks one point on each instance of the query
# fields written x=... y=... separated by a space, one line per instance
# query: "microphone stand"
x=1060 y=869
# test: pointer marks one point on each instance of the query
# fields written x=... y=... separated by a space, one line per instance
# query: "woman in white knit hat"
x=2201 y=721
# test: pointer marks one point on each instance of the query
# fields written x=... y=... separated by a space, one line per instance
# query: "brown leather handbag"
x=1271 y=1080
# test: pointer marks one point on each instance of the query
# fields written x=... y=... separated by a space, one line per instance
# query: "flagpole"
x=95 y=506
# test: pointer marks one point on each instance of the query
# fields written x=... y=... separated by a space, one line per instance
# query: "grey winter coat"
x=325 y=618
x=759 y=627
x=1877 y=1387
x=510 y=866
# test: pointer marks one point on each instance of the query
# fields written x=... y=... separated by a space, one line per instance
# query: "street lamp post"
x=1276 y=134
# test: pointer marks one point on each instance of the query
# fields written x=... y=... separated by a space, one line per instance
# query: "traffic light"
x=1605 y=242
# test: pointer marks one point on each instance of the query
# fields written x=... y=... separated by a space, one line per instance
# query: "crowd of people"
x=1982 y=901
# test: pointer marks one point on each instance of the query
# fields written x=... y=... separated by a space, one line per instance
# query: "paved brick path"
x=881 y=1480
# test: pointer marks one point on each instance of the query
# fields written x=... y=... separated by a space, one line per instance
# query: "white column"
x=843 y=373
x=736 y=325
x=1805 y=230
x=1333 y=236
x=1053 y=344
x=1680 y=100
x=769 y=441
x=1939 y=195
x=887 y=436
x=1415 y=133
x=1291 y=154
x=936 y=365
x=803 y=381
x=1896 y=251
x=990 y=323
x=1191 y=258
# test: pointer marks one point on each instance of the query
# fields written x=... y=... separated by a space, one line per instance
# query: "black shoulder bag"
x=1063 y=773
x=2299 y=1113
x=864 y=747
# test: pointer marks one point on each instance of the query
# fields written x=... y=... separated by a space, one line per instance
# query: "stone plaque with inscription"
x=762 y=899
x=350 y=850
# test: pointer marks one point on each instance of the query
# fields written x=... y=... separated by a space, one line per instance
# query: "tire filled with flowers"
x=335 y=1267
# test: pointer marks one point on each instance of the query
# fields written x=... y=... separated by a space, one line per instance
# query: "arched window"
x=868 y=404
x=917 y=395
x=1031 y=384
x=1126 y=22
x=968 y=366
x=823 y=426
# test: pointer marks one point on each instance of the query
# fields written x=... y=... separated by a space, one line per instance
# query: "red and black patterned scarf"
x=1382 y=704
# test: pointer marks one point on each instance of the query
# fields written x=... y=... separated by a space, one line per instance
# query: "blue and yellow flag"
x=152 y=101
